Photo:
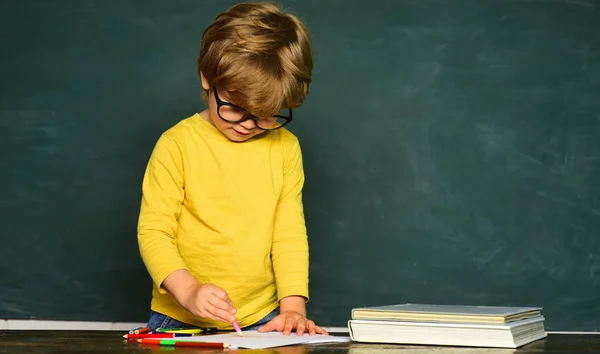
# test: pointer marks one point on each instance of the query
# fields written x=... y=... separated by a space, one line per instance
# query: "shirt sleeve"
x=162 y=200
x=290 y=244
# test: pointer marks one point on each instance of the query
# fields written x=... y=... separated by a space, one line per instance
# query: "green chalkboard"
x=452 y=152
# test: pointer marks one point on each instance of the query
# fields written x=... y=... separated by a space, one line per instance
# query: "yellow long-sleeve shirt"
x=230 y=213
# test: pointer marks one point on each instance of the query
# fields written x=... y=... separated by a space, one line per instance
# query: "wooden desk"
x=71 y=342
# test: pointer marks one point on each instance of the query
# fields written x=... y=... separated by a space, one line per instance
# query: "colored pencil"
x=237 y=328
x=176 y=343
x=139 y=330
x=179 y=330
x=156 y=335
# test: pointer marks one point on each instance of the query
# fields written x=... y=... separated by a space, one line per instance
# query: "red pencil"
x=154 y=335
x=176 y=343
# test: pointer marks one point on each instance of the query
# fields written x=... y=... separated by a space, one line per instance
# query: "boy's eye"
x=231 y=113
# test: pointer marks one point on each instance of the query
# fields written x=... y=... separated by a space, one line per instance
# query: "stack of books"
x=452 y=325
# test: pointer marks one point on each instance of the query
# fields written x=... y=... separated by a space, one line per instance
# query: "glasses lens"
x=270 y=123
x=231 y=114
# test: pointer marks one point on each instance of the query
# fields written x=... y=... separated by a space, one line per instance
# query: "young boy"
x=221 y=226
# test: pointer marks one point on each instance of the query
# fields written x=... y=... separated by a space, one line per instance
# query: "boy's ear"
x=205 y=84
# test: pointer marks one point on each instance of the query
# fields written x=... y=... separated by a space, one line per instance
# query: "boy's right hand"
x=209 y=301
x=202 y=300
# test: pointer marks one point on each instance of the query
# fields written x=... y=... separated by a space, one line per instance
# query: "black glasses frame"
x=248 y=115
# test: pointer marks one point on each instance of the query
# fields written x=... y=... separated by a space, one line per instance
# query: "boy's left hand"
x=289 y=320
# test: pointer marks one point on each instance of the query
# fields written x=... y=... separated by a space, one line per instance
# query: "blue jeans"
x=158 y=320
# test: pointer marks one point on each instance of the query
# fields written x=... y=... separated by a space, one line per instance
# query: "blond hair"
x=261 y=56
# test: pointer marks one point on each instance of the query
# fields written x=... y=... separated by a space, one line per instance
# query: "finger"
x=222 y=315
x=221 y=294
x=320 y=330
x=227 y=300
x=224 y=302
x=289 y=325
x=301 y=326
x=218 y=314
x=269 y=326
x=222 y=305
x=206 y=314
x=310 y=325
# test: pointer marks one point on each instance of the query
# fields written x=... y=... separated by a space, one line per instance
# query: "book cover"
x=446 y=313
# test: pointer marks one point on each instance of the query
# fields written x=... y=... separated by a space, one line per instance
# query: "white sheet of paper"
x=257 y=340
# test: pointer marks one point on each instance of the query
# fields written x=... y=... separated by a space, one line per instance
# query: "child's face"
x=238 y=132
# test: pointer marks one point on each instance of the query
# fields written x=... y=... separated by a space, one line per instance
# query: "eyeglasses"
x=235 y=115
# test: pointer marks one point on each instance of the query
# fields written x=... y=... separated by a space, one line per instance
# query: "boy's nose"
x=249 y=124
